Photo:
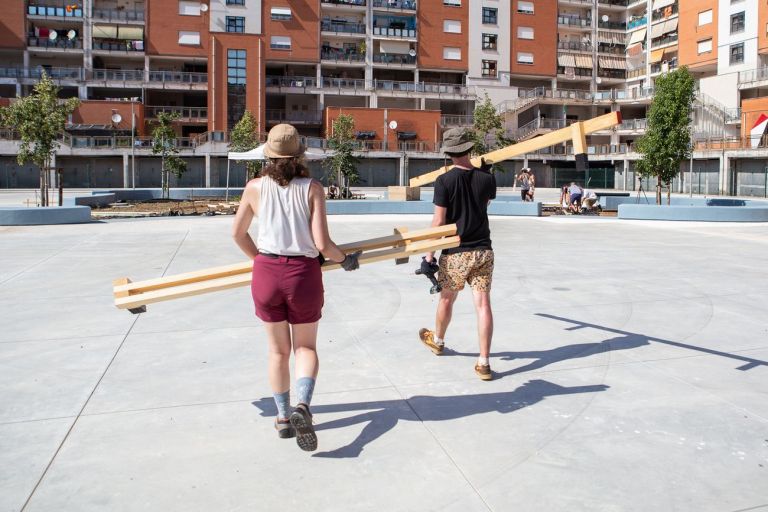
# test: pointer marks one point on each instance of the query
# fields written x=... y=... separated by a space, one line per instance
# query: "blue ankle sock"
x=283 y=403
x=305 y=386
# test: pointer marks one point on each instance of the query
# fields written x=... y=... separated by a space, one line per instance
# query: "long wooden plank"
x=236 y=281
x=548 y=139
x=245 y=267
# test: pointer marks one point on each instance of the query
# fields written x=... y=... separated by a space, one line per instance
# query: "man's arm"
x=438 y=219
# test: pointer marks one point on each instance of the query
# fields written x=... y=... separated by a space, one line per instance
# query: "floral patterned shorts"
x=473 y=267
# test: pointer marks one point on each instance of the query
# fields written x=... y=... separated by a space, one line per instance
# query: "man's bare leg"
x=444 y=312
x=482 y=302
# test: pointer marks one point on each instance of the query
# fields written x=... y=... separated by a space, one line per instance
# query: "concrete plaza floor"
x=631 y=363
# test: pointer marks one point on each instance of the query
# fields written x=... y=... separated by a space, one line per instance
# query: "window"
x=705 y=46
x=235 y=2
x=525 y=7
x=235 y=86
x=452 y=3
x=705 y=17
x=489 y=68
x=235 y=24
x=451 y=53
x=280 y=13
x=190 y=38
x=280 y=43
x=524 y=58
x=525 y=32
x=189 y=8
x=737 y=22
x=490 y=16
x=490 y=41
x=737 y=54
x=452 y=26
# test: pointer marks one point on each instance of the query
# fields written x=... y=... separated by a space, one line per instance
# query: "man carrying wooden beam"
x=462 y=196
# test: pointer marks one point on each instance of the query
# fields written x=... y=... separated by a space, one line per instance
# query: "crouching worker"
x=462 y=196
x=287 y=284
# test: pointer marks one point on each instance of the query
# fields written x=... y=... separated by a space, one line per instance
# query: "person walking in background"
x=462 y=196
x=524 y=179
x=287 y=285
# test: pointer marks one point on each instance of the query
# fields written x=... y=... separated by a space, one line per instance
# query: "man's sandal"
x=427 y=337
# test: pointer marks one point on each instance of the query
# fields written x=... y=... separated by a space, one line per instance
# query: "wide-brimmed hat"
x=283 y=141
x=457 y=140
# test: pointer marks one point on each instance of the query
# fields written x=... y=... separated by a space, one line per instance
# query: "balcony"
x=305 y=117
x=60 y=43
x=402 y=5
x=55 y=10
x=575 y=46
x=633 y=125
x=119 y=75
x=665 y=40
x=665 y=12
x=390 y=31
x=341 y=27
x=56 y=74
x=291 y=82
x=187 y=114
x=340 y=56
x=387 y=58
x=347 y=84
x=456 y=120
x=614 y=3
x=612 y=25
x=119 y=15
x=351 y=5
x=574 y=21
x=177 y=77
x=427 y=88
x=637 y=23
x=119 y=46
x=753 y=77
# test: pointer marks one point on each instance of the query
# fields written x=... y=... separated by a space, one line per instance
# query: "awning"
x=635 y=50
x=609 y=37
x=656 y=56
x=583 y=61
x=399 y=47
x=637 y=36
x=658 y=30
x=105 y=31
x=612 y=63
x=131 y=33
x=565 y=60
x=280 y=11
x=670 y=25
x=660 y=4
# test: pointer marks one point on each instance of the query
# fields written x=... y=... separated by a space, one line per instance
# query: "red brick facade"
x=433 y=38
x=543 y=46
x=164 y=23
x=303 y=29
x=425 y=123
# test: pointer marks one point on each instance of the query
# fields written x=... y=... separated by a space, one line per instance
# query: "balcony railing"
x=406 y=5
x=394 y=32
x=357 y=84
x=753 y=75
x=574 y=21
x=186 y=114
x=618 y=3
x=179 y=77
x=665 y=12
x=389 y=58
x=298 y=117
x=119 y=46
x=343 y=28
x=457 y=120
x=341 y=56
x=360 y=3
x=37 y=72
x=119 y=75
x=612 y=25
x=574 y=45
x=291 y=81
x=637 y=23
x=56 y=10
x=60 y=43
x=664 y=40
x=117 y=15
x=420 y=87
x=633 y=124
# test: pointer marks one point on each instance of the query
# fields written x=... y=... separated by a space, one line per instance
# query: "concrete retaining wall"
x=749 y=213
x=15 y=216
x=369 y=207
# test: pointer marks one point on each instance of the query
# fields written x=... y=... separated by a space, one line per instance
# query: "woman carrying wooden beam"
x=287 y=284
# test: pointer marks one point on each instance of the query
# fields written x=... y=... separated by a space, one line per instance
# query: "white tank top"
x=284 y=218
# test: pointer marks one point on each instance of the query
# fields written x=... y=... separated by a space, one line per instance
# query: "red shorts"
x=287 y=289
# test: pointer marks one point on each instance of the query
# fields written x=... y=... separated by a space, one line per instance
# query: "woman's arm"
x=319 y=221
x=243 y=219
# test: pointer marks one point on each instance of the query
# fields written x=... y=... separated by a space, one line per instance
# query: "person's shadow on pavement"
x=382 y=416
x=555 y=355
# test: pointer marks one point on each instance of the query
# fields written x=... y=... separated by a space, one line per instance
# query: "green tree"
x=40 y=119
x=488 y=130
x=343 y=163
x=667 y=140
x=244 y=138
x=164 y=144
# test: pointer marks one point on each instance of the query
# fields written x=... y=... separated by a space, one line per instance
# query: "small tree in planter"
x=667 y=140
x=244 y=138
x=164 y=144
x=343 y=163
x=40 y=119
x=488 y=130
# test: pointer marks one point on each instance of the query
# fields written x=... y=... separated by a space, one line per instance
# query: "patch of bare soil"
x=165 y=208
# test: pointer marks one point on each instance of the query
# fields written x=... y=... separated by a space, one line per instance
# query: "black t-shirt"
x=465 y=193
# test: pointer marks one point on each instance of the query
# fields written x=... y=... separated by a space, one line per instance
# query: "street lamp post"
x=133 y=147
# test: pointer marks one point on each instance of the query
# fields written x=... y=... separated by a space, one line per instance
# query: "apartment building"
x=405 y=69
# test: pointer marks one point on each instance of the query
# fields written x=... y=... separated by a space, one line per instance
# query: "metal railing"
x=185 y=113
x=665 y=12
x=182 y=77
x=574 y=45
x=118 y=15
x=120 y=75
x=359 y=3
x=291 y=81
x=574 y=21
x=394 y=32
x=357 y=84
x=663 y=40
x=753 y=75
x=61 y=43
x=633 y=124
x=37 y=73
x=60 y=10
x=612 y=25
x=341 y=56
x=420 y=87
x=406 y=5
x=117 y=46
x=341 y=27
x=637 y=23
x=457 y=120
x=281 y=115
x=392 y=58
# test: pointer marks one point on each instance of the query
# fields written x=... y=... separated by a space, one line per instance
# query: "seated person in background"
x=333 y=191
x=589 y=200
x=576 y=192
